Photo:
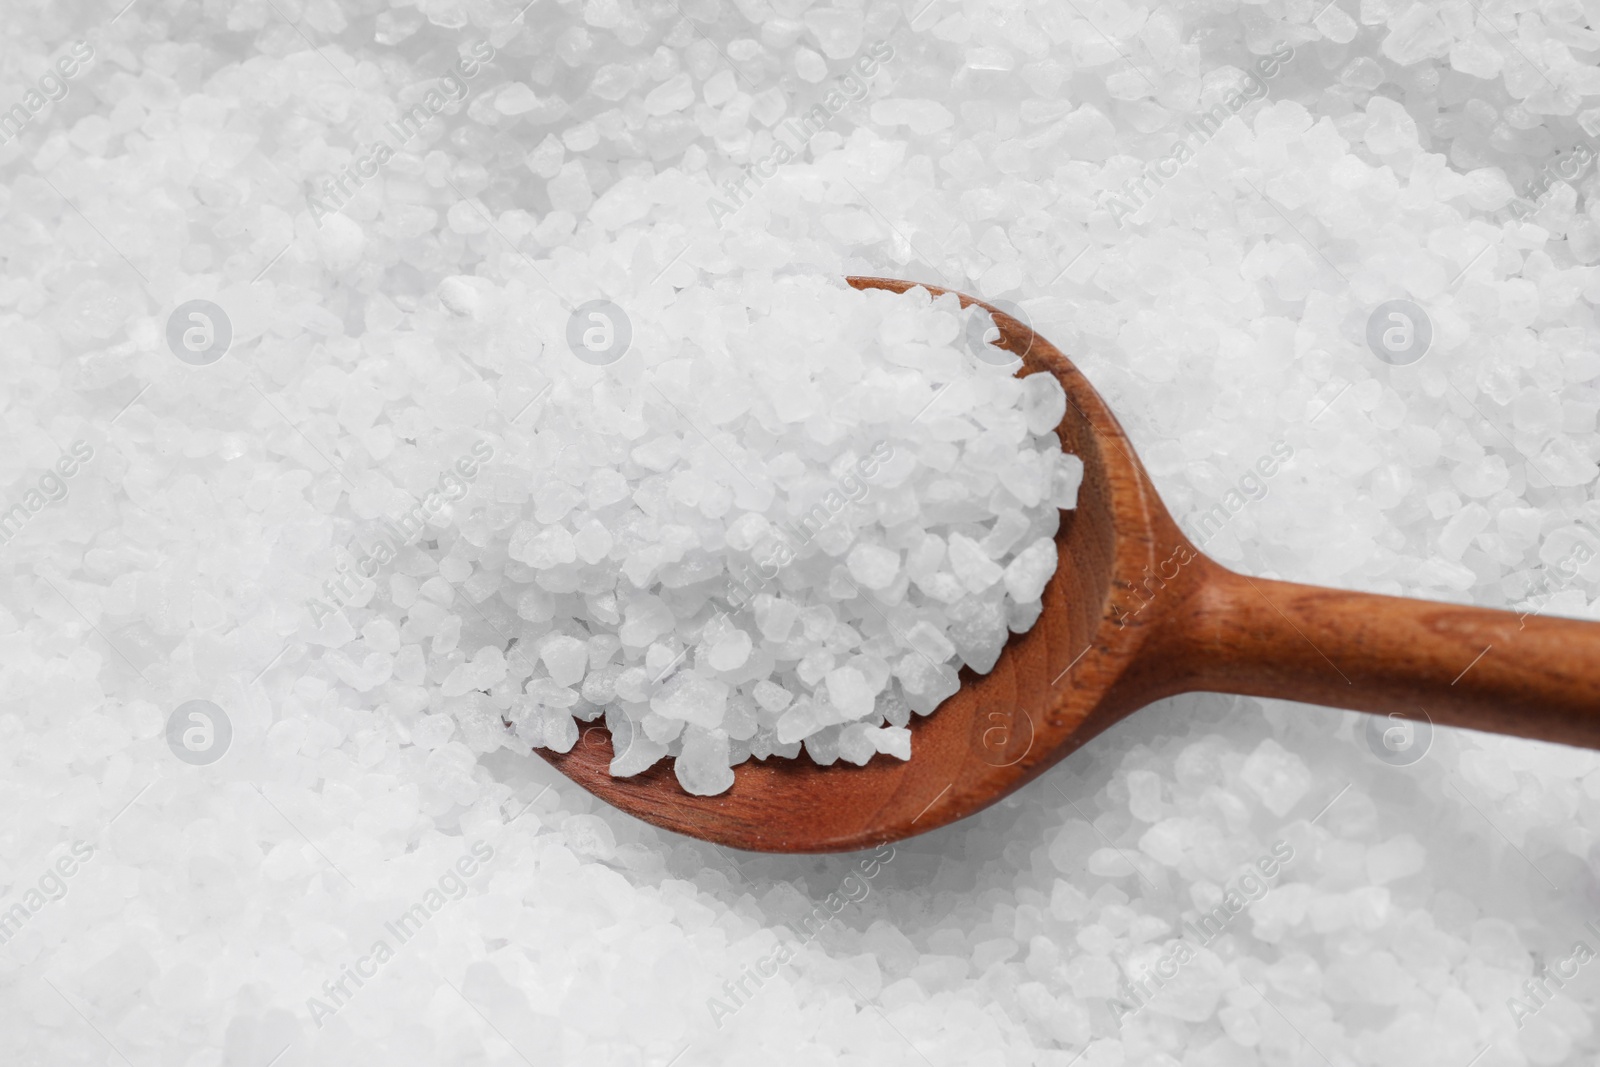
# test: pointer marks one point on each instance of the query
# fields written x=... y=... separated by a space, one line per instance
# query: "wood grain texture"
x=1528 y=675
x=1134 y=613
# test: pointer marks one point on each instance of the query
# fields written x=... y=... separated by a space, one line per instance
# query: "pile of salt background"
x=215 y=912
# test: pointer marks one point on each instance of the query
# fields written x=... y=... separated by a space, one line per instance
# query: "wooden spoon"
x=1134 y=613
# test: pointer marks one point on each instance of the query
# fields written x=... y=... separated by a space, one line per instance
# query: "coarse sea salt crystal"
x=856 y=745
x=730 y=651
x=1279 y=777
x=1027 y=574
x=702 y=764
x=971 y=565
x=849 y=692
x=693 y=698
x=873 y=565
x=566 y=658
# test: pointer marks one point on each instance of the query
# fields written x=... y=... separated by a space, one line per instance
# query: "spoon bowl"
x=1134 y=613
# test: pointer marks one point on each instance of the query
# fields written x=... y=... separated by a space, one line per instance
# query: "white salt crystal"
x=550 y=547
x=1396 y=858
x=589 y=836
x=1463 y=526
x=674 y=94
x=560 y=729
x=548 y=693
x=971 y=565
x=1021 y=617
x=1144 y=796
x=740 y=721
x=645 y=619
x=873 y=566
x=856 y=745
x=800 y=721
x=747 y=531
x=893 y=707
x=545 y=159
x=930 y=641
x=1002 y=538
x=569 y=190
x=632 y=750
x=381 y=635
x=486 y=668
x=1277 y=776
x=1068 y=478
x=1168 y=841
x=730 y=651
x=823 y=746
x=978 y=630
x=925 y=682
x=341 y=242
x=849 y=692
x=662 y=729
x=633 y=685
x=837 y=31
x=809 y=65
x=566 y=658
x=771 y=696
x=600 y=685
x=431 y=731
x=892 y=741
x=1043 y=402
x=515 y=99
x=777 y=618
x=926 y=556
x=692 y=698
x=592 y=541
x=1028 y=574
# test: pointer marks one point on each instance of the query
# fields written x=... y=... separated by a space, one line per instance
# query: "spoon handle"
x=1499 y=671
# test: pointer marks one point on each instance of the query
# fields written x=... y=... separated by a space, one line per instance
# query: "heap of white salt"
x=790 y=528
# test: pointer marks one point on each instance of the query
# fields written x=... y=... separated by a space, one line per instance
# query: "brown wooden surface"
x=1115 y=634
x=1498 y=671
